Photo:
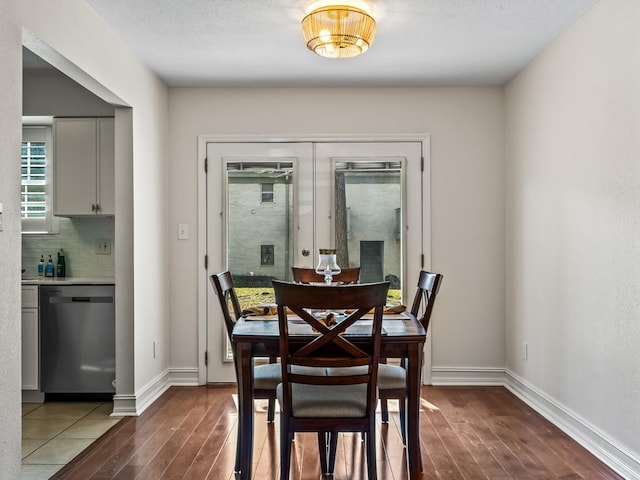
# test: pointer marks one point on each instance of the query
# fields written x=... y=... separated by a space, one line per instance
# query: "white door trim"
x=202 y=281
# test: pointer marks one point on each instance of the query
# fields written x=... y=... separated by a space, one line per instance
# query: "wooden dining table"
x=258 y=336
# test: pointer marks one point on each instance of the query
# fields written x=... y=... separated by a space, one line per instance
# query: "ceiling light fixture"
x=338 y=31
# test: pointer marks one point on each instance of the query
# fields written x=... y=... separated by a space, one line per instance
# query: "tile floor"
x=53 y=433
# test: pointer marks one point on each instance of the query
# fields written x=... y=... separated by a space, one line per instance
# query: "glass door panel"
x=375 y=210
x=257 y=216
x=367 y=213
x=271 y=206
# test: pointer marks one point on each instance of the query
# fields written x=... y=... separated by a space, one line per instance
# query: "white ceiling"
x=417 y=43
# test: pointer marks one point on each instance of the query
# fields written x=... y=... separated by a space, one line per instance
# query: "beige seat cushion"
x=267 y=377
x=389 y=376
x=327 y=401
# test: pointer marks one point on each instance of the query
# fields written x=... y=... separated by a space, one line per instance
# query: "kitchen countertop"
x=68 y=281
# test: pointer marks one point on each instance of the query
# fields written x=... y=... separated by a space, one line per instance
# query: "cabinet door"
x=30 y=349
x=75 y=166
x=106 y=166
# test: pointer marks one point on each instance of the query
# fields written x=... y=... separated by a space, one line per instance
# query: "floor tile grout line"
x=48 y=440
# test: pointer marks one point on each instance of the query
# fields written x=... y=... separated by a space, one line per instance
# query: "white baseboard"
x=617 y=458
x=184 y=377
x=607 y=451
x=468 y=376
x=134 y=405
x=124 y=406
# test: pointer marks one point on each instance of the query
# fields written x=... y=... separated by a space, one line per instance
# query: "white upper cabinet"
x=83 y=166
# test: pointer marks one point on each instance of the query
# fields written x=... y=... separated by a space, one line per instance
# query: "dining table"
x=258 y=337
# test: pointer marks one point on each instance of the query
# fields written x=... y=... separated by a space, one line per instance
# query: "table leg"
x=414 y=380
x=245 y=409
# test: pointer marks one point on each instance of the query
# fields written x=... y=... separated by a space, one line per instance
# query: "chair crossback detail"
x=309 y=402
x=330 y=348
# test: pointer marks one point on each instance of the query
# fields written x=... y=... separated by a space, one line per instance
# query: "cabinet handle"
x=97 y=207
x=93 y=207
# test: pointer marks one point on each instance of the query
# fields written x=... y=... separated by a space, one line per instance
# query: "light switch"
x=183 y=231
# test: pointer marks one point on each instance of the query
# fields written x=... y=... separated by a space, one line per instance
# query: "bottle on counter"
x=49 y=270
x=41 y=266
x=61 y=268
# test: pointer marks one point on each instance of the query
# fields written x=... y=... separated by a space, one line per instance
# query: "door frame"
x=202 y=273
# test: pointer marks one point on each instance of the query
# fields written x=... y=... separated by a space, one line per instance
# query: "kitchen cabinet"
x=83 y=166
x=30 y=344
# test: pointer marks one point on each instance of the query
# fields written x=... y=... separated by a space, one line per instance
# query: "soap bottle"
x=49 y=270
x=60 y=266
x=41 y=266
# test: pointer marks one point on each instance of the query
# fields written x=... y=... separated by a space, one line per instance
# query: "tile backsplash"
x=79 y=237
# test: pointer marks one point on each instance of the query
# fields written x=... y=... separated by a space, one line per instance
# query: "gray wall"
x=573 y=223
x=50 y=92
x=10 y=136
x=466 y=194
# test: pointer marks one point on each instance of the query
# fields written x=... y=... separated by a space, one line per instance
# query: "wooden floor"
x=472 y=433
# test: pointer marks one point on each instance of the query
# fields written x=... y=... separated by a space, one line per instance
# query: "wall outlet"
x=525 y=351
x=104 y=247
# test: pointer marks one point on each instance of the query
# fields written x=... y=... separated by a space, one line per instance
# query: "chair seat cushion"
x=327 y=401
x=389 y=376
x=267 y=377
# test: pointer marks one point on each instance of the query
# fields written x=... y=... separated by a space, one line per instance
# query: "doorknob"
x=305 y=252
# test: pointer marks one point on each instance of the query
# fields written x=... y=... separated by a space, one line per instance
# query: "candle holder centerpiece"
x=327 y=264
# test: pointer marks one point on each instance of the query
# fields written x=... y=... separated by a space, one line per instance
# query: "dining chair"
x=346 y=276
x=265 y=377
x=328 y=404
x=392 y=381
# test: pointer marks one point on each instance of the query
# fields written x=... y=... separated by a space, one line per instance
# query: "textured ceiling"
x=259 y=42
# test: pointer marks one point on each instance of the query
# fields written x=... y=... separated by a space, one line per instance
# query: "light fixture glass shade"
x=338 y=31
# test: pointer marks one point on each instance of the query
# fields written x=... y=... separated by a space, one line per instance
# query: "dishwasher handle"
x=106 y=299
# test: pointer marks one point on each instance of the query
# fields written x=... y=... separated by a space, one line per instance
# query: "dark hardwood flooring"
x=474 y=433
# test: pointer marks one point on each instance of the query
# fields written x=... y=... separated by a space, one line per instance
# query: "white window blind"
x=36 y=176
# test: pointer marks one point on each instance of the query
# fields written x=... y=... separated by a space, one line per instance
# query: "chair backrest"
x=224 y=288
x=330 y=348
x=428 y=287
x=346 y=276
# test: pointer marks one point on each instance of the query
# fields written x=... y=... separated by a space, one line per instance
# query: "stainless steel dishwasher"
x=77 y=339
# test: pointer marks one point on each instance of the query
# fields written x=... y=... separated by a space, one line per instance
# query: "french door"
x=271 y=206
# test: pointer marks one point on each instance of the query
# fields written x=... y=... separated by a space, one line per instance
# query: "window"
x=267 y=192
x=36 y=174
x=266 y=255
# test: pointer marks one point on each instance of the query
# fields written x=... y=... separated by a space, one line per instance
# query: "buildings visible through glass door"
x=259 y=226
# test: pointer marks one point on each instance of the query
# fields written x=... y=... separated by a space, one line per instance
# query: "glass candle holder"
x=327 y=264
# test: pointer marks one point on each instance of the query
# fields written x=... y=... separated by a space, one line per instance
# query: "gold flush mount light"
x=338 y=31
